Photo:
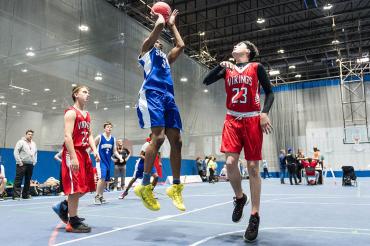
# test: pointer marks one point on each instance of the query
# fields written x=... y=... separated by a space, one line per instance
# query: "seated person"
x=3 y=181
x=223 y=174
x=309 y=165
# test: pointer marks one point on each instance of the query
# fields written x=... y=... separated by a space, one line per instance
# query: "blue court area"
x=290 y=215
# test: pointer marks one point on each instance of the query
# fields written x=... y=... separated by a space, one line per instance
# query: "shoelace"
x=149 y=198
x=177 y=194
x=253 y=224
x=237 y=204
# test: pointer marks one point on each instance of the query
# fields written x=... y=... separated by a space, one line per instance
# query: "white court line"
x=140 y=224
x=315 y=229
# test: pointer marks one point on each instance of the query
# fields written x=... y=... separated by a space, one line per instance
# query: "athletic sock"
x=146 y=178
x=176 y=181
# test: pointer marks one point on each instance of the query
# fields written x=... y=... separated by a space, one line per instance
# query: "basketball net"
x=357 y=146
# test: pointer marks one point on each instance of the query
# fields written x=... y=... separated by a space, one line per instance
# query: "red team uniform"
x=81 y=181
x=242 y=123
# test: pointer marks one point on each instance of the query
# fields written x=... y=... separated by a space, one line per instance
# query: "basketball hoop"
x=356 y=140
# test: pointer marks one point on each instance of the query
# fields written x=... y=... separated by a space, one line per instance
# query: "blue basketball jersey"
x=105 y=149
x=157 y=71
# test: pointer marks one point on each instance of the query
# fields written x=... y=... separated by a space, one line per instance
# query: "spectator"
x=58 y=158
x=3 y=181
x=120 y=167
x=282 y=162
x=265 y=169
x=199 y=163
x=212 y=166
x=319 y=160
x=299 y=157
x=25 y=154
x=223 y=173
x=291 y=165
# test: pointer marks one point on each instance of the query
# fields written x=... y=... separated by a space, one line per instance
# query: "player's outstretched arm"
x=179 y=43
x=217 y=73
x=154 y=35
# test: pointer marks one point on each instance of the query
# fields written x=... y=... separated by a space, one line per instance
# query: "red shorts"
x=243 y=133
x=81 y=181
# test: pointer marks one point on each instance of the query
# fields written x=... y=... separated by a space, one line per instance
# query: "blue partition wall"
x=48 y=167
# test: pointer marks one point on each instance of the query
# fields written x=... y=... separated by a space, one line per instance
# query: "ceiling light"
x=18 y=112
x=202 y=33
x=96 y=102
x=127 y=106
x=98 y=76
x=74 y=85
x=83 y=28
x=336 y=41
x=363 y=60
x=14 y=106
x=183 y=79
x=54 y=108
x=54 y=100
x=46 y=89
x=2 y=97
x=292 y=67
x=298 y=76
x=24 y=70
x=3 y=103
x=260 y=20
x=274 y=72
x=327 y=6
x=34 y=104
x=105 y=108
x=29 y=52
x=281 y=51
x=205 y=90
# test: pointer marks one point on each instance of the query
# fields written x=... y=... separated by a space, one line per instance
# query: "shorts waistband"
x=240 y=115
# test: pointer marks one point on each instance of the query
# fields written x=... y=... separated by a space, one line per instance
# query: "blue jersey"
x=157 y=71
x=105 y=149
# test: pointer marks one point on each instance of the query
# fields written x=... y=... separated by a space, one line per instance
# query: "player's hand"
x=265 y=124
x=171 y=20
x=121 y=160
x=96 y=156
x=158 y=17
x=227 y=64
x=75 y=165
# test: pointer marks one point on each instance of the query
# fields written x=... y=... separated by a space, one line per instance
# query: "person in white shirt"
x=25 y=154
x=58 y=158
x=265 y=169
x=3 y=181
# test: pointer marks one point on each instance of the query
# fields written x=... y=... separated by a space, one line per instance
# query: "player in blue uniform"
x=106 y=146
x=158 y=111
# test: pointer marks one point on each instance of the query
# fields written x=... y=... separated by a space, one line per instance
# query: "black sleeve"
x=215 y=74
x=267 y=88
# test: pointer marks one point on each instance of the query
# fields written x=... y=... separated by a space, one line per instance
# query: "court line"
x=141 y=224
x=313 y=229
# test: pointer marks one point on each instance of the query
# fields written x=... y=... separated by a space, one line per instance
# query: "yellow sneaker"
x=174 y=192
x=145 y=192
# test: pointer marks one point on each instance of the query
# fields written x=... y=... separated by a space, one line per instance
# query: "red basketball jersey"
x=81 y=129
x=242 y=88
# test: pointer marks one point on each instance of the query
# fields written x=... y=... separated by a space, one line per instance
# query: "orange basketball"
x=162 y=8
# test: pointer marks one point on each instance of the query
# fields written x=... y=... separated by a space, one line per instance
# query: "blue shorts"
x=139 y=169
x=158 y=109
x=103 y=170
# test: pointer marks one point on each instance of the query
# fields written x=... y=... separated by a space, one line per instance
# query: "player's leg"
x=253 y=154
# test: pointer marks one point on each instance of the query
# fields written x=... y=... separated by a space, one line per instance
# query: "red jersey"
x=81 y=129
x=242 y=88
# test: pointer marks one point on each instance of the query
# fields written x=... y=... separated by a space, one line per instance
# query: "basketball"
x=162 y=8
